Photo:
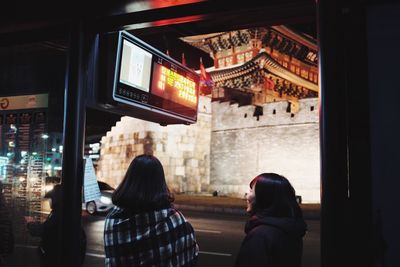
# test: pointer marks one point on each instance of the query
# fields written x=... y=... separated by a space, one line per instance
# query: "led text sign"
x=174 y=86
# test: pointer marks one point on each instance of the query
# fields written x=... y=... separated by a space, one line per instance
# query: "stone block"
x=159 y=147
x=180 y=170
x=179 y=161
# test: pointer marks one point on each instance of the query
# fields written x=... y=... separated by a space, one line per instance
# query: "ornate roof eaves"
x=300 y=38
x=267 y=62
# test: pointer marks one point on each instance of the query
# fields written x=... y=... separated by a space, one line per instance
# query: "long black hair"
x=143 y=187
x=275 y=196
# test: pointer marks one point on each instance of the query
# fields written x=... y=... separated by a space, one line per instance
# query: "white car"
x=104 y=203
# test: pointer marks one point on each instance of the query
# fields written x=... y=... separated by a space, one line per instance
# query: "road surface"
x=218 y=235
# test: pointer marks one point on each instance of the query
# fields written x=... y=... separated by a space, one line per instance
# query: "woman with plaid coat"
x=144 y=229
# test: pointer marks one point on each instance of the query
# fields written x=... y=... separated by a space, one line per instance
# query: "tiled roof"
x=243 y=76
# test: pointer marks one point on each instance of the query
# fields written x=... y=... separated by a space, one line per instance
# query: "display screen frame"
x=185 y=84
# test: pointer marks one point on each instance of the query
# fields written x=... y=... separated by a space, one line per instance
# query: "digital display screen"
x=135 y=66
x=146 y=78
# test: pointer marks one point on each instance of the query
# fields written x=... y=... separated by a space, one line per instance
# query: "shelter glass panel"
x=31 y=147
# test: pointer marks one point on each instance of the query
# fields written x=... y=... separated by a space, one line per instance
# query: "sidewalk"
x=229 y=205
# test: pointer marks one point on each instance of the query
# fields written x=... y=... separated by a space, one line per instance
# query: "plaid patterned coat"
x=157 y=238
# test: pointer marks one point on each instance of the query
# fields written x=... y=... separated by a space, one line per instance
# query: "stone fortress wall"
x=224 y=150
x=243 y=146
x=183 y=150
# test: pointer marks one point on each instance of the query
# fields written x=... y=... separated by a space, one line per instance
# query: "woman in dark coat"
x=275 y=230
x=49 y=231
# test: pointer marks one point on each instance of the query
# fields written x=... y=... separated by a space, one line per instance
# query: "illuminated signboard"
x=147 y=79
x=173 y=86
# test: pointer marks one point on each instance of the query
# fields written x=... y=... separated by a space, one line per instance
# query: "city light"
x=95 y=145
x=3 y=161
x=45 y=136
x=13 y=128
x=49 y=187
x=3 y=170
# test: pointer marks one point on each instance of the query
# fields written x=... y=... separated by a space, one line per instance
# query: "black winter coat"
x=49 y=244
x=272 y=242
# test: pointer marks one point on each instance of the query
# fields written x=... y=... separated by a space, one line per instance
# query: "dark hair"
x=275 y=196
x=143 y=187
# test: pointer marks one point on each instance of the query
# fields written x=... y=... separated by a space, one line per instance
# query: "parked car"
x=104 y=203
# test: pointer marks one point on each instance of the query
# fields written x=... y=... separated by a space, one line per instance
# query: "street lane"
x=227 y=241
x=219 y=237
